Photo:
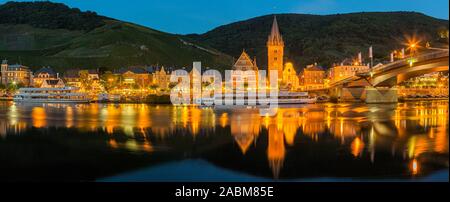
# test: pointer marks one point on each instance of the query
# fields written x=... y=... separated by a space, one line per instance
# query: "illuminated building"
x=134 y=77
x=341 y=72
x=91 y=81
x=244 y=63
x=15 y=74
x=161 y=78
x=313 y=77
x=43 y=74
x=275 y=50
x=72 y=78
x=52 y=83
x=424 y=81
x=290 y=77
x=86 y=80
x=435 y=84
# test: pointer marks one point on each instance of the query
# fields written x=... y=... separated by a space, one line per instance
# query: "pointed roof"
x=275 y=30
x=275 y=37
x=48 y=70
x=244 y=63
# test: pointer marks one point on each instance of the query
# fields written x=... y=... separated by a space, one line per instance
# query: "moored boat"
x=283 y=98
x=51 y=95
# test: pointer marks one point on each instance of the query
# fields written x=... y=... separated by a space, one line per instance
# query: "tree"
x=109 y=80
x=2 y=89
x=86 y=83
x=13 y=87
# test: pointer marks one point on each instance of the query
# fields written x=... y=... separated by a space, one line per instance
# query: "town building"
x=43 y=74
x=91 y=81
x=245 y=64
x=86 y=80
x=52 y=83
x=290 y=77
x=15 y=74
x=342 y=71
x=161 y=78
x=72 y=78
x=313 y=77
x=134 y=77
x=92 y=74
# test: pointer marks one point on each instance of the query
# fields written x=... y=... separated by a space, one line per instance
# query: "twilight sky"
x=198 y=16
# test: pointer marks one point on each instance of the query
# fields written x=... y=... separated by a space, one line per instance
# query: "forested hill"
x=326 y=39
x=40 y=34
x=43 y=33
x=49 y=15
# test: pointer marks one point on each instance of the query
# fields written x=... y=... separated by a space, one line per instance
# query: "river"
x=138 y=142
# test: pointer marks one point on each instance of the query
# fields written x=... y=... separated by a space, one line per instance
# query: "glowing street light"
x=412 y=47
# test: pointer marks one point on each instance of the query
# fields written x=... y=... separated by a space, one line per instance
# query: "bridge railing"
x=406 y=61
x=393 y=65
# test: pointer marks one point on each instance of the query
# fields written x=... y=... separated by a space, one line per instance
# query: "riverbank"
x=150 y=99
x=420 y=99
x=165 y=99
x=6 y=98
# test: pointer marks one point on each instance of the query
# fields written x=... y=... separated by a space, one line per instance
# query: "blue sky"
x=198 y=16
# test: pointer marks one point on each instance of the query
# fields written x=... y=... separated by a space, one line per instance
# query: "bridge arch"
x=402 y=72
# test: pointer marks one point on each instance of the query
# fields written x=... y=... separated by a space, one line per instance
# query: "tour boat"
x=51 y=95
x=295 y=98
x=283 y=98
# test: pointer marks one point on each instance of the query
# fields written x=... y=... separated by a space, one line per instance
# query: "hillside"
x=325 y=39
x=49 y=15
x=52 y=34
x=43 y=33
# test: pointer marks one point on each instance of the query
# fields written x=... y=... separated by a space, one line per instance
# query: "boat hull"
x=49 y=101
x=247 y=102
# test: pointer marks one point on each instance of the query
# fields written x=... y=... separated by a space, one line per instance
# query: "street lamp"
x=412 y=48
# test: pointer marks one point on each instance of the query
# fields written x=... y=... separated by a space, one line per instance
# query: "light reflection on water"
x=415 y=131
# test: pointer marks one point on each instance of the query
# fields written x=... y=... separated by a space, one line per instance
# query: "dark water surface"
x=138 y=142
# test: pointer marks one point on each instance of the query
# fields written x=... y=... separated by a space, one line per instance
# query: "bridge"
x=378 y=85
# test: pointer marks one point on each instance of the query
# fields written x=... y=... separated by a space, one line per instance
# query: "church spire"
x=275 y=37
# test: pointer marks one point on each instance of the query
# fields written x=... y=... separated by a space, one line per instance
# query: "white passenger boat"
x=51 y=95
x=295 y=98
x=283 y=98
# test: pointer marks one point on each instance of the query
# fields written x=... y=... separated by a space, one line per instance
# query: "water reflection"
x=413 y=130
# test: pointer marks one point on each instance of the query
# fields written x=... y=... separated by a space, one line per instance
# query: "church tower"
x=275 y=50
